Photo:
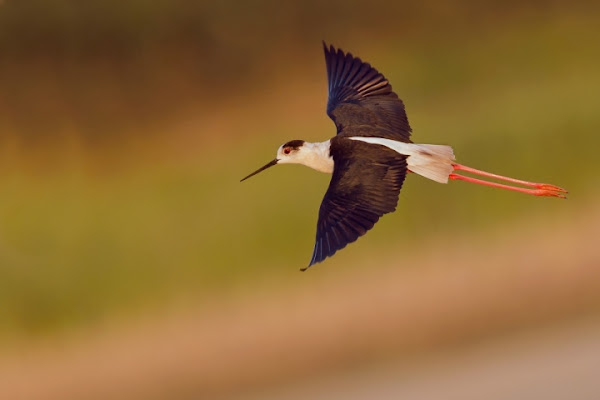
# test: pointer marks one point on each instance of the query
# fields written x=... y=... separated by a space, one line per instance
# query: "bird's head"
x=288 y=153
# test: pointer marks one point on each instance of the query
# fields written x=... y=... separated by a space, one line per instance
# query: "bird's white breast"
x=316 y=156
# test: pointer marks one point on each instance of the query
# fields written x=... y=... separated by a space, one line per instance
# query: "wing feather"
x=360 y=95
x=360 y=192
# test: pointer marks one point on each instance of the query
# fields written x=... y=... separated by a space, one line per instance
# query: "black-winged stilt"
x=371 y=154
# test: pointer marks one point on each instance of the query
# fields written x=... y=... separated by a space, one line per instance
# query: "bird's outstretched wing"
x=361 y=190
x=359 y=95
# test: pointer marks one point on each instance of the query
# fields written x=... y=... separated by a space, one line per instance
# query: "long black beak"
x=270 y=164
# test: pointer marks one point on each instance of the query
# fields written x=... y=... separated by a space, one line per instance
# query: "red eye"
x=287 y=150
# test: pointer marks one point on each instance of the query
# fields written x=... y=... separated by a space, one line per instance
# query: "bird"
x=371 y=154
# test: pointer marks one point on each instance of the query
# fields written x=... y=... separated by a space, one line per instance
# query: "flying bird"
x=371 y=154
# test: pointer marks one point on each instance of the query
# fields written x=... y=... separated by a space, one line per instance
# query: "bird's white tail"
x=433 y=161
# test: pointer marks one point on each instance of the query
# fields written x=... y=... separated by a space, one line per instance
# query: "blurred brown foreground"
x=471 y=289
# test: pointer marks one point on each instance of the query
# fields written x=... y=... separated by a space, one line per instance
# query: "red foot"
x=547 y=186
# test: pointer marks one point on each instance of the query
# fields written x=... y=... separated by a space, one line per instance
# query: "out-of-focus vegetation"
x=125 y=127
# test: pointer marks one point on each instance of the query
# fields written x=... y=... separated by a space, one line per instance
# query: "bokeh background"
x=133 y=264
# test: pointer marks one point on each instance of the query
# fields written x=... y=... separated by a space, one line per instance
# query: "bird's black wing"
x=362 y=189
x=360 y=96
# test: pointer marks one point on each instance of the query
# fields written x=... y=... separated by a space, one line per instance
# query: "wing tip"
x=312 y=262
x=332 y=50
x=314 y=259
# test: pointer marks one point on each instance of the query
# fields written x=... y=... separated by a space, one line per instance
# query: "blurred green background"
x=125 y=127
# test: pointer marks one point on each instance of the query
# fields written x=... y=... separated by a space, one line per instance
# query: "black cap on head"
x=294 y=144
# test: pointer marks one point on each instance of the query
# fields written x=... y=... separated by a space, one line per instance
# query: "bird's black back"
x=359 y=96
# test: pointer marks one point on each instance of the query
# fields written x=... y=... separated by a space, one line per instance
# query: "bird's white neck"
x=317 y=156
x=313 y=155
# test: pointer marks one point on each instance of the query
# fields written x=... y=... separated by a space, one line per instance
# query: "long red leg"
x=541 y=189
